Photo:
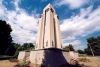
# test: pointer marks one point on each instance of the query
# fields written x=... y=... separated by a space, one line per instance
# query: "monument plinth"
x=48 y=50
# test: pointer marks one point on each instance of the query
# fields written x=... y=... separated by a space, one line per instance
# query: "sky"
x=79 y=19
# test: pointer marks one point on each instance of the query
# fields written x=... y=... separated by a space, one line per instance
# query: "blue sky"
x=79 y=19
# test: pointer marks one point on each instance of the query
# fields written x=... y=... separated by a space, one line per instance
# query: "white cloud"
x=71 y=3
x=79 y=25
x=79 y=47
x=22 y=23
x=82 y=24
x=75 y=42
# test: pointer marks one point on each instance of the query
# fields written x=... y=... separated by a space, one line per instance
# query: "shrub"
x=23 y=63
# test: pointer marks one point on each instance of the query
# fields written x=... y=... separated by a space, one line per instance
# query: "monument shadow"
x=54 y=57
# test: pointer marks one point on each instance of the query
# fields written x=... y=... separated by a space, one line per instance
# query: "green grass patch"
x=4 y=57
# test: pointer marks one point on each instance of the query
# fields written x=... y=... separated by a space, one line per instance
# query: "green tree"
x=87 y=51
x=66 y=48
x=93 y=45
x=69 y=47
x=81 y=52
x=12 y=49
x=28 y=46
x=5 y=36
x=25 y=46
x=16 y=45
x=20 y=48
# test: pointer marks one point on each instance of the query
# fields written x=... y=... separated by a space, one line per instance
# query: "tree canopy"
x=5 y=36
x=81 y=51
x=69 y=47
x=25 y=46
x=94 y=44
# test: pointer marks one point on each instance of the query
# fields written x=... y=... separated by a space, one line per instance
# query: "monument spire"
x=49 y=35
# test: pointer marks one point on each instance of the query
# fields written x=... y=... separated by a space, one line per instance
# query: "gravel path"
x=7 y=63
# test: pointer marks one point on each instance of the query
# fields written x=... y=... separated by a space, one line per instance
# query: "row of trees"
x=93 y=46
x=7 y=46
x=15 y=48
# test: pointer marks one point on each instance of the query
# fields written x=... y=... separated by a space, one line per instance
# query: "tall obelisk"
x=49 y=35
x=48 y=52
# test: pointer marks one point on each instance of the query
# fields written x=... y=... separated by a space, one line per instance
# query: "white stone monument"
x=49 y=35
x=48 y=50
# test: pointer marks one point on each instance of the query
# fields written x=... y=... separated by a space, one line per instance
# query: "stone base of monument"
x=50 y=57
x=23 y=54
